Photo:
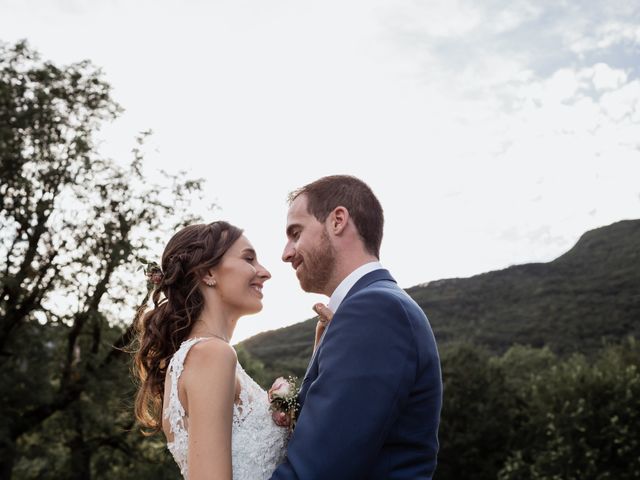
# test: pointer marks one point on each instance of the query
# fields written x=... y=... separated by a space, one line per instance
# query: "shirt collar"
x=339 y=293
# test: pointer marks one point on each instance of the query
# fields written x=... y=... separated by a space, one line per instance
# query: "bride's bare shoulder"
x=211 y=358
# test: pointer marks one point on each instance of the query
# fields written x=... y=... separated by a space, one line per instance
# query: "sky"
x=493 y=132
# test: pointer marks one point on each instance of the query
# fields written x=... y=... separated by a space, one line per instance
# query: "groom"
x=370 y=400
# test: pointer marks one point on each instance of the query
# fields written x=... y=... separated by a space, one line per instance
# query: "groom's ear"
x=338 y=220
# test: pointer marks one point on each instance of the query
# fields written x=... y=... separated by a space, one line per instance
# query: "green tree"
x=72 y=227
x=581 y=420
x=476 y=422
x=253 y=366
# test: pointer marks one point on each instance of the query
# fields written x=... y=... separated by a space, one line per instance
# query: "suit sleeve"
x=366 y=366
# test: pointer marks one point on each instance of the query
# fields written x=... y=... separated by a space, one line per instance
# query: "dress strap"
x=175 y=411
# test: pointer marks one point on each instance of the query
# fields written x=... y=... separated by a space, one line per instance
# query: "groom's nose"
x=289 y=252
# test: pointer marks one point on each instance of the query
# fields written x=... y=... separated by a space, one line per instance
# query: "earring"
x=211 y=283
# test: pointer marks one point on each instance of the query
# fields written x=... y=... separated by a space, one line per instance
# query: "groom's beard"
x=318 y=266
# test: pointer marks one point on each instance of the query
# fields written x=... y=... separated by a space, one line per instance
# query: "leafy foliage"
x=580 y=419
x=73 y=226
x=477 y=414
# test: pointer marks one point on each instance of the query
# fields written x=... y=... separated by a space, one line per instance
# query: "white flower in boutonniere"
x=283 y=397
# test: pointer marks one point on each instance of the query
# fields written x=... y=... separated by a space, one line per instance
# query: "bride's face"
x=240 y=277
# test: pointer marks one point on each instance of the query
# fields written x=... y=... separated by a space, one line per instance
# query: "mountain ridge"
x=585 y=297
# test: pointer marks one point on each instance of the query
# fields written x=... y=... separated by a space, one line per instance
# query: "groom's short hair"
x=327 y=193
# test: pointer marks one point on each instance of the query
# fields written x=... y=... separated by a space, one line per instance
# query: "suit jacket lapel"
x=368 y=279
x=365 y=281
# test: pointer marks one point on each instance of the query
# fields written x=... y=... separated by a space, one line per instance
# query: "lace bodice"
x=257 y=444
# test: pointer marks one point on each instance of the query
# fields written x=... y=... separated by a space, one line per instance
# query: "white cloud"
x=490 y=138
x=604 y=36
x=436 y=18
x=618 y=32
x=509 y=17
x=607 y=78
x=623 y=102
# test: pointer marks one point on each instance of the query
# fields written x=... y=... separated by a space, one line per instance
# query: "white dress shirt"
x=350 y=280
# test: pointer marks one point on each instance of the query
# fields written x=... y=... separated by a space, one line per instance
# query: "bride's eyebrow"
x=249 y=250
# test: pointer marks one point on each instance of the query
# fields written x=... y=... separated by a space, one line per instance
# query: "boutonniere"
x=283 y=397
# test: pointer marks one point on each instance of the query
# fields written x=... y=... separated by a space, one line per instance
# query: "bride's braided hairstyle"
x=177 y=304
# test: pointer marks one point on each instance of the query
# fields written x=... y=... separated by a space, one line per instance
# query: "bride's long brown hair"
x=177 y=304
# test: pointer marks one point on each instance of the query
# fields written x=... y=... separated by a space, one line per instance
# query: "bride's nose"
x=263 y=273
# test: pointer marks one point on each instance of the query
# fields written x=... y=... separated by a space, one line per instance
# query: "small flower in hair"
x=155 y=275
x=153 y=272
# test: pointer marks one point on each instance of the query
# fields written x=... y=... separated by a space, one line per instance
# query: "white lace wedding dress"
x=257 y=444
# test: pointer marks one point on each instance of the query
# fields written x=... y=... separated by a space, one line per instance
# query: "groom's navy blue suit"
x=371 y=397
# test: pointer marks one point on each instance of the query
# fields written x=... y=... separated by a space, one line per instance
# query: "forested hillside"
x=573 y=304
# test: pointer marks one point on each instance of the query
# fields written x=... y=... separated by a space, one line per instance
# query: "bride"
x=215 y=417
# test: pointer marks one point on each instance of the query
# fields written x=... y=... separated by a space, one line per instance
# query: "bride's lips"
x=257 y=287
